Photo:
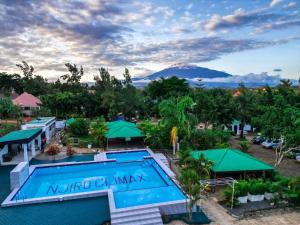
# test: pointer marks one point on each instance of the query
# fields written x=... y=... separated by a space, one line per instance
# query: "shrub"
x=80 y=127
x=70 y=151
x=257 y=187
x=273 y=187
x=207 y=139
x=244 y=146
x=228 y=196
x=53 y=150
x=243 y=188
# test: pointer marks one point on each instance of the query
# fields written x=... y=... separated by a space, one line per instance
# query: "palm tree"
x=98 y=130
x=189 y=180
x=174 y=113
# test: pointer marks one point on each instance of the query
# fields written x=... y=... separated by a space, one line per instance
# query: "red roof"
x=27 y=99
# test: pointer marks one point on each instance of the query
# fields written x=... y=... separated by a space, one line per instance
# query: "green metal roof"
x=230 y=160
x=126 y=132
x=20 y=136
x=120 y=123
x=236 y=122
x=70 y=121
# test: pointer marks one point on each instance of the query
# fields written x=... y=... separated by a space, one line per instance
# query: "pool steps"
x=143 y=216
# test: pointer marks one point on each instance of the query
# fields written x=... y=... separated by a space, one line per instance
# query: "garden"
x=85 y=133
x=259 y=194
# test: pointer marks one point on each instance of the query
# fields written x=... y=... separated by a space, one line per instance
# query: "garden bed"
x=252 y=208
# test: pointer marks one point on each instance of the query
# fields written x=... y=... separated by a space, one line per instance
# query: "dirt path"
x=288 y=167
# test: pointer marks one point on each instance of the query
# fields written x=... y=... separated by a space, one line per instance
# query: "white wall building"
x=47 y=124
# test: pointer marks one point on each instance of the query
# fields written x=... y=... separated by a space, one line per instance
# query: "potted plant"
x=271 y=190
x=256 y=191
x=243 y=189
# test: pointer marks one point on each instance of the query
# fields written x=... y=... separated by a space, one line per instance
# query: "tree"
x=98 y=130
x=214 y=106
x=159 y=90
x=8 y=109
x=61 y=103
x=245 y=107
x=75 y=74
x=9 y=82
x=26 y=69
x=176 y=113
x=80 y=127
x=127 y=77
x=153 y=134
x=189 y=181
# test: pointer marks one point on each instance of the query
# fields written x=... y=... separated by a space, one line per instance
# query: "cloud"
x=251 y=80
x=278 y=25
x=277 y=70
x=198 y=49
x=290 y=5
x=189 y=6
x=239 y=18
x=275 y=2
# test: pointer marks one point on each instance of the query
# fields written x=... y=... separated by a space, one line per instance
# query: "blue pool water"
x=133 y=183
x=127 y=156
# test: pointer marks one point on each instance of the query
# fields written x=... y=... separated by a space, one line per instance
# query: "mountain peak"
x=182 y=66
x=187 y=71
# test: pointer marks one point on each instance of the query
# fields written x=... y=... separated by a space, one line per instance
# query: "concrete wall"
x=19 y=175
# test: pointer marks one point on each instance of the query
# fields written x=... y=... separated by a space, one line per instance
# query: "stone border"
x=108 y=192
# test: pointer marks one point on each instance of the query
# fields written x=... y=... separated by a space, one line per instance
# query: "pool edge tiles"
x=109 y=192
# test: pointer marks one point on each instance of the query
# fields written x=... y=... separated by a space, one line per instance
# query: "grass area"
x=6 y=128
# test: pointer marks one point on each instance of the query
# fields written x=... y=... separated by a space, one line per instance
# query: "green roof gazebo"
x=232 y=161
x=123 y=130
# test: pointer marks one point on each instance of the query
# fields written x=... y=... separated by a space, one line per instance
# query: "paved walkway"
x=219 y=216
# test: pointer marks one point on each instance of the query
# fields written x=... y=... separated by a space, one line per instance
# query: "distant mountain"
x=187 y=72
x=210 y=78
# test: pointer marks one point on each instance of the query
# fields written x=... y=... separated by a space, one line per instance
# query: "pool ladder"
x=22 y=197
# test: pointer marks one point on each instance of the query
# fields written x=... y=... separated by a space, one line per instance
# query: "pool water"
x=127 y=156
x=133 y=183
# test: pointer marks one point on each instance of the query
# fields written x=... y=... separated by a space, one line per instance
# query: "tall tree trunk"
x=242 y=130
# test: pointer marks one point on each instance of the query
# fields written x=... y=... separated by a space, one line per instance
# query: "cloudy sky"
x=239 y=37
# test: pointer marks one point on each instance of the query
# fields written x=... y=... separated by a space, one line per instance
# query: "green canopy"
x=70 y=121
x=236 y=122
x=126 y=132
x=20 y=136
x=231 y=160
x=120 y=123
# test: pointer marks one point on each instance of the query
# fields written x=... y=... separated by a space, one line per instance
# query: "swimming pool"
x=127 y=155
x=133 y=183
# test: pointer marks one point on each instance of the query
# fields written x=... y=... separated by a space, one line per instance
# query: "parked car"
x=258 y=139
x=294 y=154
x=271 y=144
x=298 y=157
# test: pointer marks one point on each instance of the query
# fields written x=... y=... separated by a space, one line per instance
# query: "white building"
x=47 y=124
